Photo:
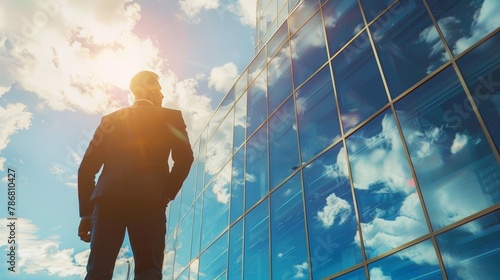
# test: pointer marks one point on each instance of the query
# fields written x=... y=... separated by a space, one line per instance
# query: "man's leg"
x=147 y=239
x=108 y=232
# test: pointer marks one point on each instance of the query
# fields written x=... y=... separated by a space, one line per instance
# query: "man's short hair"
x=143 y=82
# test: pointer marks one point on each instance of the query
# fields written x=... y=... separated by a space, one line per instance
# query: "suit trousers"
x=145 y=222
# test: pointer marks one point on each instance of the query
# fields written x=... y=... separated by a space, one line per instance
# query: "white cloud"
x=192 y=8
x=300 y=270
x=13 y=118
x=2 y=163
x=376 y=273
x=459 y=143
x=383 y=159
x=222 y=78
x=335 y=208
x=246 y=10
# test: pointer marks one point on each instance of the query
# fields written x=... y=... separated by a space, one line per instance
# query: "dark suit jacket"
x=134 y=145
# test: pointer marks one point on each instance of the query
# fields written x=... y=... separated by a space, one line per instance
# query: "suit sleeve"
x=90 y=165
x=182 y=155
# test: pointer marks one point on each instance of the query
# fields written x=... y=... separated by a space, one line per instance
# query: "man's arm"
x=90 y=165
x=182 y=155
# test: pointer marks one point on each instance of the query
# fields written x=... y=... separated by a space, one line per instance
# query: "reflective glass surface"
x=168 y=265
x=331 y=214
x=417 y=262
x=303 y=12
x=235 y=265
x=237 y=185
x=279 y=83
x=240 y=122
x=277 y=41
x=257 y=65
x=358 y=83
x=342 y=22
x=452 y=159
x=283 y=146
x=256 y=174
x=195 y=241
x=257 y=103
x=188 y=193
x=358 y=274
x=372 y=8
x=388 y=204
x=219 y=147
x=183 y=257
x=463 y=23
x=256 y=259
x=481 y=71
x=214 y=260
x=317 y=116
x=200 y=172
x=472 y=250
x=241 y=85
x=216 y=206
x=288 y=234
x=408 y=45
x=308 y=49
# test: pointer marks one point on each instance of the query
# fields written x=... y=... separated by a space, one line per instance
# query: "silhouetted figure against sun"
x=133 y=146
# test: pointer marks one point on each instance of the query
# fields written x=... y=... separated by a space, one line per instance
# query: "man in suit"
x=133 y=146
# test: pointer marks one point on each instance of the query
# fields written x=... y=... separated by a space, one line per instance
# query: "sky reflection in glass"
x=235 y=264
x=257 y=171
x=452 y=159
x=330 y=214
x=358 y=83
x=288 y=234
x=408 y=45
x=388 y=204
x=317 y=116
x=257 y=103
x=256 y=259
x=237 y=185
x=213 y=261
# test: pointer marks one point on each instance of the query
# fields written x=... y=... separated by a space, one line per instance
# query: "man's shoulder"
x=159 y=111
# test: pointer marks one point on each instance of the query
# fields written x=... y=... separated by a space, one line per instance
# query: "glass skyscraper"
x=361 y=142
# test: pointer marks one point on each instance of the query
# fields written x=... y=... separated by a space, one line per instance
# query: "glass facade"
x=361 y=142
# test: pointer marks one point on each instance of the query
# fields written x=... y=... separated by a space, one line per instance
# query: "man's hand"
x=84 y=229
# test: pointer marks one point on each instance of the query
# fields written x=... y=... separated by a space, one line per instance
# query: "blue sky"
x=65 y=63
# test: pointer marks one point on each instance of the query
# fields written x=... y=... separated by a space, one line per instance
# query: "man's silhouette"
x=133 y=146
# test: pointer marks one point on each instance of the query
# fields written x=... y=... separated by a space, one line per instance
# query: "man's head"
x=145 y=85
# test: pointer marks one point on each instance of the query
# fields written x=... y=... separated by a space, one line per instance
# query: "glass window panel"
x=200 y=170
x=373 y=8
x=388 y=204
x=238 y=184
x=173 y=214
x=214 y=260
x=282 y=15
x=288 y=234
x=317 y=116
x=416 y=262
x=472 y=250
x=240 y=122
x=279 y=83
x=481 y=71
x=408 y=45
x=219 y=148
x=331 y=216
x=235 y=266
x=257 y=105
x=193 y=269
x=270 y=32
x=279 y=38
x=216 y=206
x=241 y=85
x=189 y=189
x=358 y=274
x=283 y=146
x=292 y=4
x=256 y=259
x=342 y=21
x=195 y=243
x=454 y=164
x=256 y=180
x=257 y=65
x=184 y=275
x=168 y=266
x=308 y=49
x=358 y=83
x=463 y=23
x=183 y=246
x=303 y=12
x=221 y=112
x=203 y=138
